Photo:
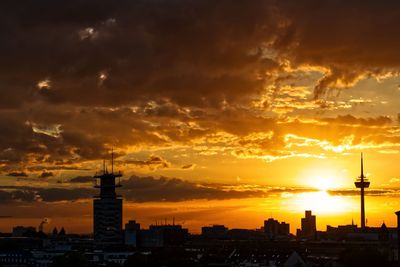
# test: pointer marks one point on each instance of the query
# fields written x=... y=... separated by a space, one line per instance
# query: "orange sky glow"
x=218 y=113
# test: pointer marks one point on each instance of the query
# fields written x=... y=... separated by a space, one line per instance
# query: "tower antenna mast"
x=362 y=183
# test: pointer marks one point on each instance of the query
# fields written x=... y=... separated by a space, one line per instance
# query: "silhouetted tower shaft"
x=107 y=221
x=362 y=182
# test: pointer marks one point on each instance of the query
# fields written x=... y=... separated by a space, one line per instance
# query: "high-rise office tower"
x=107 y=208
x=308 y=225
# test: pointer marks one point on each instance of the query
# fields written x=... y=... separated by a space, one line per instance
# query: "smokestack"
x=44 y=221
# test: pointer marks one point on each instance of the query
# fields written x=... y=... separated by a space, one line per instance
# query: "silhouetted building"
x=362 y=183
x=24 y=231
x=62 y=232
x=341 y=232
x=245 y=234
x=17 y=258
x=273 y=228
x=308 y=226
x=162 y=236
x=384 y=234
x=131 y=233
x=107 y=208
x=55 y=232
x=214 y=231
x=295 y=260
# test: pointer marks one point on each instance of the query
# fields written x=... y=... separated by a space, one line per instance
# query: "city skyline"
x=108 y=208
x=217 y=112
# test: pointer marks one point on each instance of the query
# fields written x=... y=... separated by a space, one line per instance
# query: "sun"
x=322 y=202
x=324 y=183
x=323 y=179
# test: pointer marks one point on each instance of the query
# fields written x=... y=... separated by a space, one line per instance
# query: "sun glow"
x=324 y=179
x=324 y=184
x=320 y=202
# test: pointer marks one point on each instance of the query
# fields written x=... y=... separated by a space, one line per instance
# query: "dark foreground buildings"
x=275 y=229
x=170 y=245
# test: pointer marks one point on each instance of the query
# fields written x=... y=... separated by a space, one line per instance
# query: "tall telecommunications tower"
x=362 y=182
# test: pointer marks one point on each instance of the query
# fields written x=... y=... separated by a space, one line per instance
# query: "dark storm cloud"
x=33 y=194
x=46 y=174
x=82 y=179
x=149 y=189
x=5 y=196
x=351 y=120
x=163 y=189
x=78 y=76
x=24 y=195
x=153 y=162
x=17 y=196
x=137 y=189
x=349 y=38
x=17 y=174
x=62 y=194
x=369 y=192
x=59 y=166
x=192 y=52
x=188 y=166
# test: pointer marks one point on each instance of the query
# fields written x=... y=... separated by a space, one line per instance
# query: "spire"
x=62 y=232
x=362 y=167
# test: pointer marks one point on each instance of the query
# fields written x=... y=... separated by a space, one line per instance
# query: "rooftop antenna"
x=112 y=160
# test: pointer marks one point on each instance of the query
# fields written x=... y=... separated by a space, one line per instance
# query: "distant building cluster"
x=156 y=236
x=274 y=229
x=271 y=245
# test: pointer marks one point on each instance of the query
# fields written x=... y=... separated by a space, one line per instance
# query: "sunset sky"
x=218 y=112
